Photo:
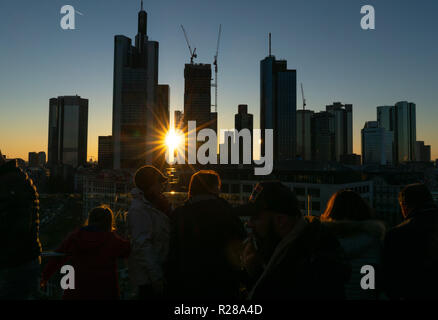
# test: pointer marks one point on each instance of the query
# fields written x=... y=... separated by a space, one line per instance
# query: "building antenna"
x=269 y=44
x=141 y=5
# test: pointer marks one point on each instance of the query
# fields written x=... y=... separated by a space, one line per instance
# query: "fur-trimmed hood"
x=358 y=237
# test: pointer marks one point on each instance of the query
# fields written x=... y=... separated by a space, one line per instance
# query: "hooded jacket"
x=411 y=256
x=204 y=255
x=19 y=217
x=149 y=231
x=93 y=254
x=362 y=242
x=307 y=264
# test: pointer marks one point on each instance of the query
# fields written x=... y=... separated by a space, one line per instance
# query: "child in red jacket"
x=92 y=251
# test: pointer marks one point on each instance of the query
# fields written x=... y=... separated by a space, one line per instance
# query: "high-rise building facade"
x=41 y=158
x=406 y=131
x=343 y=128
x=136 y=109
x=68 y=131
x=197 y=98
x=278 y=105
x=401 y=120
x=197 y=94
x=105 y=152
x=376 y=144
x=323 y=136
x=37 y=159
x=422 y=152
x=32 y=160
x=162 y=125
x=304 y=125
x=163 y=105
x=385 y=117
x=244 y=120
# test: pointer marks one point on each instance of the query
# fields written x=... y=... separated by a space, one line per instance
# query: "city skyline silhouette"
x=335 y=59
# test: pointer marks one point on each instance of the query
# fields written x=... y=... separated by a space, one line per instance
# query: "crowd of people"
x=203 y=250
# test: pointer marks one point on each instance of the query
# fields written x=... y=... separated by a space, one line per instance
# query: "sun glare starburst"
x=173 y=140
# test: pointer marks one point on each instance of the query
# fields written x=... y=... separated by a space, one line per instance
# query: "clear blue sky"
x=335 y=59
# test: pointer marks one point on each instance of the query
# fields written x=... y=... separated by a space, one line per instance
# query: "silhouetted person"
x=21 y=249
x=350 y=218
x=290 y=257
x=149 y=229
x=93 y=251
x=411 y=248
x=205 y=244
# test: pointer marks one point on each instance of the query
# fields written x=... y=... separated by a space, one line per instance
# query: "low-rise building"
x=107 y=187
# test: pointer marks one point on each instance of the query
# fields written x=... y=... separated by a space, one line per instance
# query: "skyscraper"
x=385 y=117
x=137 y=113
x=105 y=152
x=401 y=120
x=406 y=131
x=37 y=159
x=323 y=136
x=422 y=152
x=343 y=128
x=244 y=120
x=197 y=94
x=41 y=158
x=305 y=151
x=162 y=119
x=68 y=130
x=197 y=97
x=376 y=144
x=163 y=112
x=32 y=160
x=278 y=105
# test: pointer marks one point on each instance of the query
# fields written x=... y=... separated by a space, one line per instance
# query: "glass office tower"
x=343 y=128
x=140 y=105
x=244 y=120
x=406 y=131
x=376 y=144
x=304 y=146
x=278 y=105
x=401 y=120
x=323 y=136
x=68 y=131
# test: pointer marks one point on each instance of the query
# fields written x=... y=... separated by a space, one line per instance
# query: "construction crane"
x=215 y=68
x=302 y=94
x=192 y=53
x=303 y=148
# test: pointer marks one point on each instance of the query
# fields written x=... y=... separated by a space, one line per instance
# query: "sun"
x=174 y=139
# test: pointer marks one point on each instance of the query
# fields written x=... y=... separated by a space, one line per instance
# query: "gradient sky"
x=335 y=59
